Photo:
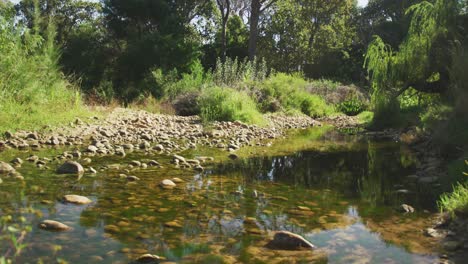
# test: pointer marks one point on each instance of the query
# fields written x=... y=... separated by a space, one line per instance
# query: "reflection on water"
x=340 y=193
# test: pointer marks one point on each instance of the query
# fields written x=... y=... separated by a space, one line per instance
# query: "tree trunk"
x=253 y=35
x=223 y=40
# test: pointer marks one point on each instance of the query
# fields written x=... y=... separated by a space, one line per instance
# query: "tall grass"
x=456 y=201
x=33 y=90
x=225 y=104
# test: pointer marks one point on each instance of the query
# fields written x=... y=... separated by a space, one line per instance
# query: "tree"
x=148 y=34
x=224 y=7
x=65 y=14
x=311 y=35
x=257 y=7
x=421 y=61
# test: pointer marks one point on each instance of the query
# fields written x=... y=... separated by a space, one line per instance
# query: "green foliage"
x=455 y=201
x=288 y=93
x=225 y=104
x=234 y=72
x=33 y=91
x=351 y=107
x=391 y=71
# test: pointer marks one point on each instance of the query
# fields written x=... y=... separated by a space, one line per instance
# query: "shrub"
x=226 y=104
x=287 y=92
x=187 y=104
x=232 y=73
x=314 y=106
x=351 y=107
x=33 y=91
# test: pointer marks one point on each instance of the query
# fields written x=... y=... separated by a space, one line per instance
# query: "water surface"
x=341 y=192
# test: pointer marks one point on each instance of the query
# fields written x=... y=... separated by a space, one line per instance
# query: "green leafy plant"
x=457 y=200
x=351 y=107
x=225 y=104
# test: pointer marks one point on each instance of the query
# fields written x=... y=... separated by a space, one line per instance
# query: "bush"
x=351 y=107
x=33 y=91
x=187 y=104
x=288 y=93
x=314 y=106
x=226 y=104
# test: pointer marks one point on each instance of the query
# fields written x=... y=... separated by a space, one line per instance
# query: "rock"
x=198 y=168
x=158 y=147
x=148 y=258
x=233 y=156
x=52 y=225
x=177 y=180
x=70 y=167
x=32 y=158
x=179 y=158
x=406 y=208
x=153 y=163
x=135 y=163
x=92 y=170
x=112 y=229
x=6 y=168
x=76 y=199
x=92 y=149
x=432 y=232
x=17 y=161
x=284 y=240
x=173 y=224
x=133 y=178
x=167 y=184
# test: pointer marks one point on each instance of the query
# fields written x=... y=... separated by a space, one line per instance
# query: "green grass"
x=33 y=90
x=365 y=117
x=457 y=201
x=288 y=91
x=226 y=104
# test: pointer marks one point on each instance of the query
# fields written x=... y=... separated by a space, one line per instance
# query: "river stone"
x=5 y=168
x=167 y=184
x=17 y=161
x=432 y=232
x=76 y=199
x=177 y=180
x=233 y=156
x=284 y=240
x=135 y=163
x=179 y=158
x=52 y=225
x=70 y=167
x=406 y=208
x=148 y=258
x=173 y=224
x=133 y=178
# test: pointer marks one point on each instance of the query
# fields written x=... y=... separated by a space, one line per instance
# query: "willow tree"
x=422 y=60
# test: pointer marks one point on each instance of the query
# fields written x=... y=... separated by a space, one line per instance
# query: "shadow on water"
x=341 y=192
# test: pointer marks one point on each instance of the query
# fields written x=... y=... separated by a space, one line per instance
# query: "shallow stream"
x=341 y=192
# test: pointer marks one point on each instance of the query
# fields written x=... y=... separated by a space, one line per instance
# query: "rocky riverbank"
x=125 y=130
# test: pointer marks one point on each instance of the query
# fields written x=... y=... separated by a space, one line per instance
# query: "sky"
x=360 y=2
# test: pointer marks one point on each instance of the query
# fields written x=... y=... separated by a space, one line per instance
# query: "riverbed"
x=341 y=192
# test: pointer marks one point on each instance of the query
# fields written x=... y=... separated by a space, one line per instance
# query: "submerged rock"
x=6 y=168
x=167 y=184
x=284 y=240
x=52 y=225
x=133 y=178
x=148 y=258
x=76 y=199
x=70 y=167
